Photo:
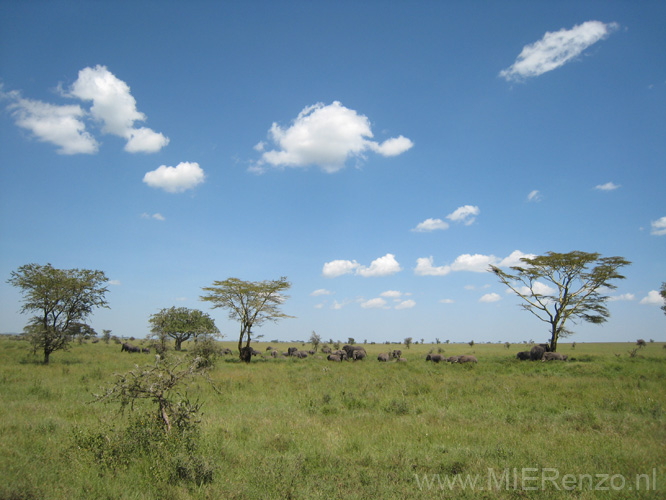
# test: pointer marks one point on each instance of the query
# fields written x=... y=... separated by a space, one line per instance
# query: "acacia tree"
x=62 y=300
x=662 y=292
x=181 y=324
x=251 y=303
x=315 y=340
x=577 y=292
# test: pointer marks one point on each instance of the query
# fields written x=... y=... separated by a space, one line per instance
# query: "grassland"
x=316 y=429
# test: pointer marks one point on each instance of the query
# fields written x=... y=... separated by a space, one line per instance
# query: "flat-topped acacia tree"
x=251 y=303
x=181 y=324
x=557 y=287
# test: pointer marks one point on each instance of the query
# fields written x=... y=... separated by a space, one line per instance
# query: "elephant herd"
x=541 y=352
x=348 y=352
x=438 y=358
x=125 y=347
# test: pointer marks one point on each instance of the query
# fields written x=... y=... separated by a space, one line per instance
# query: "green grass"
x=310 y=428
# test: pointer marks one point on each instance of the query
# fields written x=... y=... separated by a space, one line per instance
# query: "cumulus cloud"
x=653 y=298
x=320 y=292
x=659 y=227
x=383 y=266
x=534 y=196
x=325 y=136
x=609 y=186
x=391 y=294
x=176 y=179
x=114 y=282
x=62 y=126
x=377 y=303
x=466 y=262
x=466 y=214
x=115 y=108
x=514 y=259
x=556 y=49
x=624 y=297
x=405 y=304
x=490 y=297
x=429 y=225
x=538 y=288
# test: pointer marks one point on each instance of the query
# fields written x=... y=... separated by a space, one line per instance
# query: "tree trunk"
x=178 y=344
x=46 y=356
x=553 y=339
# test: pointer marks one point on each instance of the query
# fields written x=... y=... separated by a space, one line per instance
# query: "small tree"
x=577 y=289
x=662 y=292
x=62 y=298
x=106 y=336
x=408 y=342
x=181 y=324
x=251 y=303
x=315 y=340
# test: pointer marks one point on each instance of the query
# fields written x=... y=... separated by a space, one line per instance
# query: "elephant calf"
x=383 y=357
x=333 y=357
x=554 y=356
x=467 y=359
x=435 y=358
x=523 y=355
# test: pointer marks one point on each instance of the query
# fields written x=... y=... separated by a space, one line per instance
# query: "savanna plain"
x=591 y=427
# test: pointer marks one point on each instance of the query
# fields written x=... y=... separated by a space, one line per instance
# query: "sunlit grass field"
x=592 y=427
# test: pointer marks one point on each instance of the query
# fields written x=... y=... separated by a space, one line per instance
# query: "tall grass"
x=287 y=428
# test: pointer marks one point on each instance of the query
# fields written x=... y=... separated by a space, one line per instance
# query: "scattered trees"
x=315 y=340
x=62 y=300
x=408 y=342
x=251 y=303
x=181 y=324
x=577 y=292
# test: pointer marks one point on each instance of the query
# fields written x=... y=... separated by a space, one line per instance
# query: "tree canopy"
x=181 y=324
x=62 y=298
x=557 y=287
x=251 y=303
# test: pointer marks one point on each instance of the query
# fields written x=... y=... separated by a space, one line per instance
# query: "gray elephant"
x=359 y=355
x=383 y=357
x=333 y=357
x=452 y=359
x=554 y=356
x=396 y=353
x=326 y=350
x=466 y=359
x=523 y=355
x=435 y=358
x=536 y=353
x=291 y=351
x=355 y=352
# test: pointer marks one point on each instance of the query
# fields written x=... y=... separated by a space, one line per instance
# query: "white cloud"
x=447 y=301
x=391 y=294
x=659 y=227
x=514 y=259
x=609 y=186
x=156 y=216
x=556 y=49
x=405 y=304
x=325 y=136
x=534 y=196
x=490 y=297
x=320 y=292
x=624 y=297
x=383 y=266
x=184 y=176
x=653 y=298
x=425 y=267
x=466 y=214
x=431 y=225
x=377 y=303
x=62 y=126
x=115 y=108
x=538 y=288
x=339 y=305
x=466 y=262
x=114 y=282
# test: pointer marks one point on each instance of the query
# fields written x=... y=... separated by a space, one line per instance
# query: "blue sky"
x=379 y=154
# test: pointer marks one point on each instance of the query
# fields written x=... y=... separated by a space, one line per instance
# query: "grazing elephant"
x=359 y=355
x=452 y=359
x=536 y=353
x=129 y=348
x=396 y=353
x=326 y=350
x=301 y=354
x=354 y=352
x=554 y=356
x=291 y=351
x=467 y=359
x=274 y=353
x=383 y=357
x=523 y=355
x=269 y=348
x=333 y=357
x=146 y=349
x=312 y=352
x=435 y=358
x=226 y=351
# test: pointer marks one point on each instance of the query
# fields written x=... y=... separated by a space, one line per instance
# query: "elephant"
x=300 y=354
x=312 y=352
x=326 y=350
x=523 y=355
x=467 y=359
x=354 y=352
x=452 y=359
x=129 y=348
x=333 y=357
x=536 y=353
x=226 y=351
x=396 y=353
x=274 y=353
x=269 y=348
x=435 y=358
x=383 y=357
x=291 y=351
x=146 y=349
x=342 y=354
x=554 y=356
